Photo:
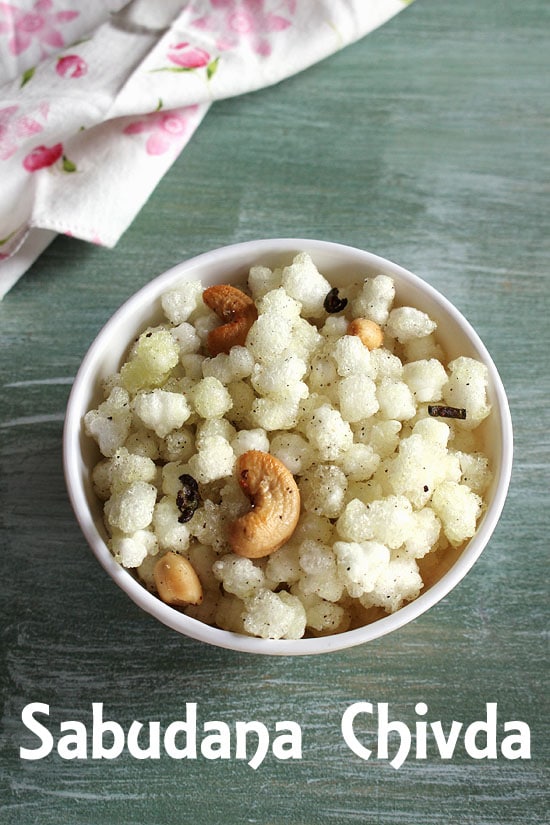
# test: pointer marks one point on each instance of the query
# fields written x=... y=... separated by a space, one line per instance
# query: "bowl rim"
x=193 y=628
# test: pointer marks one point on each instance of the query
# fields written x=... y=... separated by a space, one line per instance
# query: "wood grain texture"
x=427 y=143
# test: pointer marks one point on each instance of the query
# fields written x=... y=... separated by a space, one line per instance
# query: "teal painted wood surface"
x=427 y=143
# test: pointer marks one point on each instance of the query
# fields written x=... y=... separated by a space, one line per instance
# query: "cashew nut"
x=368 y=331
x=275 y=505
x=176 y=581
x=236 y=309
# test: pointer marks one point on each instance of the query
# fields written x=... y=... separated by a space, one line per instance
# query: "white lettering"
x=489 y=728
x=242 y=729
x=189 y=728
x=384 y=728
x=217 y=745
x=421 y=732
x=251 y=741
x=106 y=739
x=152 y=751
x=292 y=739
x=348 y=732
x=480 y=738
x=73 y=745
x=99 y=728
x=446 y=746
x=522 y=738
x=36 y=727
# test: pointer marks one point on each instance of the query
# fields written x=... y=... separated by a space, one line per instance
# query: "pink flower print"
x=188 y=57
x=7 y=143
x=39 y=24
x=71 y=66
x=13 y=130
x=167 y=129
x=237 y=22
x=42 y=156
x=170 y=129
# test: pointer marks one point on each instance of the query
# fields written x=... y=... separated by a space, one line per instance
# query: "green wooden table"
x=427 y=143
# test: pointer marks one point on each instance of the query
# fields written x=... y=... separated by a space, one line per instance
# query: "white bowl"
x=231 y=264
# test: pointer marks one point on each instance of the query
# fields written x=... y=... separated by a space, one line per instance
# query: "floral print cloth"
x=98 y=99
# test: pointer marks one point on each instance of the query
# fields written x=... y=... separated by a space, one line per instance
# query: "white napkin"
x=97 y=100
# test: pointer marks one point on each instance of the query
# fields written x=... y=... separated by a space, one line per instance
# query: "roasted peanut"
x=236 y=309
x=368 y=331
x=275 y=498
x=176 y=581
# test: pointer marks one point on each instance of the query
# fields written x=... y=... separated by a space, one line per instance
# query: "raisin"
x=439 y=410
x=188 y=498
x=333 y=302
